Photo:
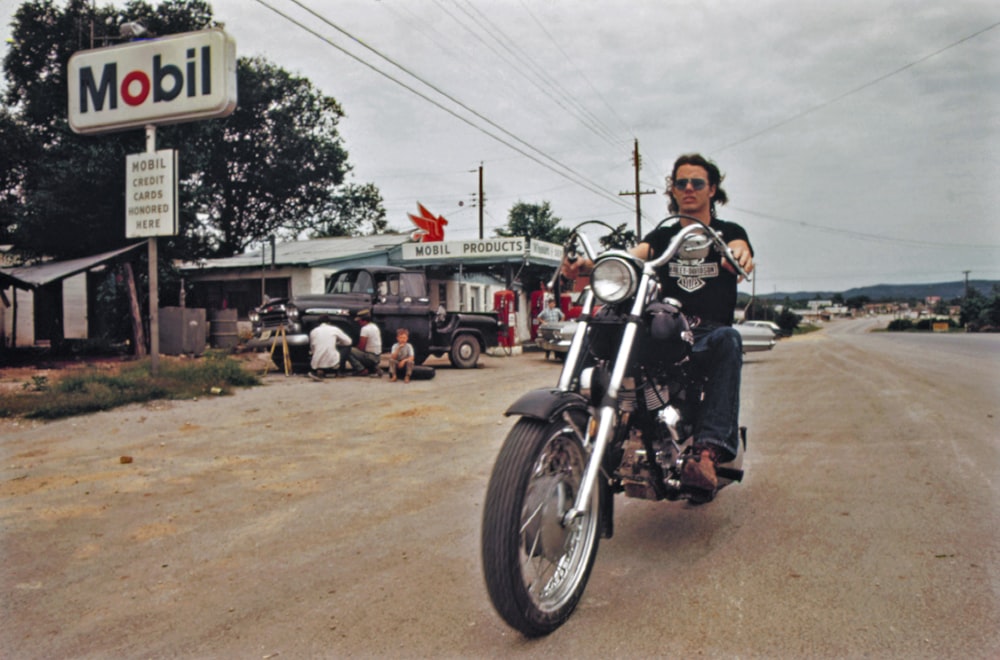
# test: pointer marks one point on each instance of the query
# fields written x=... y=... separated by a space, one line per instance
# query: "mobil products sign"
x=159 y=81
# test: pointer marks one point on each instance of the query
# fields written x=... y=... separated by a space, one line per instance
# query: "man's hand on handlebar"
x=573 y=267
x=743 y=255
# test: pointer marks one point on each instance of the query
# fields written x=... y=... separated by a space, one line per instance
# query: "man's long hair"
x=715 y=178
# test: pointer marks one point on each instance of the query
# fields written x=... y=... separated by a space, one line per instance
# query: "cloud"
x=833 y=121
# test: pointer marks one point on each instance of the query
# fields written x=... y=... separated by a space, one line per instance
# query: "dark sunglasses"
x=697 y=184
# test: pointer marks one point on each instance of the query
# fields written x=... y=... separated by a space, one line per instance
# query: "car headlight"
x=613 y=280
x=293 y=312
x=254 y=316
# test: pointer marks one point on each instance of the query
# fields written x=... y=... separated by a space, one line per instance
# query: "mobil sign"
x=160 y=81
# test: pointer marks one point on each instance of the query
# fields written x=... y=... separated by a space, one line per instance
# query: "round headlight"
x=293 y=312
x=613 y=280
x=254 y=316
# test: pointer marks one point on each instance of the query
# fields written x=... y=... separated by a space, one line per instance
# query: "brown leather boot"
x=699 y=469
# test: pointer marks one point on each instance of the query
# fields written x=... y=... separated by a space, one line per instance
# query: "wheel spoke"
x=547 y=560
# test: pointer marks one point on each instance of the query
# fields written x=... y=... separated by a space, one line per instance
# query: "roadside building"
x=52 y=301
x=465 y=275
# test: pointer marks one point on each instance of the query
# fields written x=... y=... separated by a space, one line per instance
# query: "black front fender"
x=546 y=404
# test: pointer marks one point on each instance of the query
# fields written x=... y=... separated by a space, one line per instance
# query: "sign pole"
x=154 y=296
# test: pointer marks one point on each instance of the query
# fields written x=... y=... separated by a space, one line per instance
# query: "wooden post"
x=154 y=283
x=138 y=334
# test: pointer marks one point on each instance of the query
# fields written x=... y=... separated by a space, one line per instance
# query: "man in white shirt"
x=365 y=357
x=324 y=342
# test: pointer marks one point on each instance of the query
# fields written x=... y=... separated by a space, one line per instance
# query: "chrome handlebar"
x=698 y=227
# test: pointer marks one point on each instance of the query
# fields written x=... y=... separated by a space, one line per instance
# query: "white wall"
x=25 y=317
x=310 y=280
x=74 y=304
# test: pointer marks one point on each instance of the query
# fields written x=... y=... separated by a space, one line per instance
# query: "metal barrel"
x=222 y=328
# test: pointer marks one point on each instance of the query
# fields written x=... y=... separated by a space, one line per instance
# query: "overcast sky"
x=860 y=139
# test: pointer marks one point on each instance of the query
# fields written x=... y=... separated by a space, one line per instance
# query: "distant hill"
x=883 y=292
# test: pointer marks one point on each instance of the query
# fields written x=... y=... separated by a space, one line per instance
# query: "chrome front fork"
x=608 y=414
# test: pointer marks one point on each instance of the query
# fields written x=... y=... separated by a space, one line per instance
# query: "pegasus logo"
x=430 y=228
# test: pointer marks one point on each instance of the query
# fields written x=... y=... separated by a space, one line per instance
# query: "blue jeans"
x=719 y=354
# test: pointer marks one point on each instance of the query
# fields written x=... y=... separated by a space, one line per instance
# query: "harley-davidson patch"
x=689 y=275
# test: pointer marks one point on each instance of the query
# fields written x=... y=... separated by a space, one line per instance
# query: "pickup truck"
x=397 y=298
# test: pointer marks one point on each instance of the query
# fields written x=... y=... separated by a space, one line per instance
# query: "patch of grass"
x=92 y=390
x=37 y=384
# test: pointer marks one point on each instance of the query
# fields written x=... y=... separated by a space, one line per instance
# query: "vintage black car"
x=397 y=298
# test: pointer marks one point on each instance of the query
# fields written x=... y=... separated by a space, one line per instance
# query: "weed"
x=37 y=384
x=92 y=390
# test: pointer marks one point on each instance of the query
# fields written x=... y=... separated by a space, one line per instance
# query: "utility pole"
x=482 y=202
x=966 y=272
x=637 y=163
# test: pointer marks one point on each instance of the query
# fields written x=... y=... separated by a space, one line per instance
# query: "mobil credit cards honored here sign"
x=158 y=81
x=151 y=194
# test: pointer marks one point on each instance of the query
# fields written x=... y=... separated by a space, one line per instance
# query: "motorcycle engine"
x=653 y=395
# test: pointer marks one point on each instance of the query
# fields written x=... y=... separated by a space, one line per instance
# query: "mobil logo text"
x=161 y=81
x=166 y=83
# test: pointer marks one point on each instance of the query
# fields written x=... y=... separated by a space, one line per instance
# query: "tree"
x=276 y=166
x=272 y=167
x=352 y=211
x=979 y=311
x=620 y=238
x=14 y=157
x=787 y=319
x=534 y=221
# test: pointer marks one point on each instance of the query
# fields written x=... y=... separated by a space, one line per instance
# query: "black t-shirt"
x=704 y=287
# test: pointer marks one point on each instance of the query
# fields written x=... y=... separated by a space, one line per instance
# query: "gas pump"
x=503 y=304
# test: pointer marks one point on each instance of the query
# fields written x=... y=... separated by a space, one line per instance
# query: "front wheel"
x=464 y=352
x=536 y=566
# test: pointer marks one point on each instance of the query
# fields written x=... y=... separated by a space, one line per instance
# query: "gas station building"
x=462 y=275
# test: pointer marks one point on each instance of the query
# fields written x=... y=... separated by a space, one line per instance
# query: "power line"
x=580 y=179
x=581 y=113
x=857 y=89
x=555 y=43
x=866 y=236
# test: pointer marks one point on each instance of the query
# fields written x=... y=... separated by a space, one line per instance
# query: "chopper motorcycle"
x=620 y=420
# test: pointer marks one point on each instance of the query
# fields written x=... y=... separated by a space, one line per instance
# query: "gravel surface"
x=341 y=519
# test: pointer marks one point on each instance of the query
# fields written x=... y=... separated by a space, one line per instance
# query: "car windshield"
x=411 y=285
x=353 y=281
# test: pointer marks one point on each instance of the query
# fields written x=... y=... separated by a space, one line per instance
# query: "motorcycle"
x=620 y=420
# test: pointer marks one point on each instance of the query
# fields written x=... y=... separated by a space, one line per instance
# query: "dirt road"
x=341 y=519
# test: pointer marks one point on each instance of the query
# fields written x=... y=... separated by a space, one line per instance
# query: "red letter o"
x=143 y=80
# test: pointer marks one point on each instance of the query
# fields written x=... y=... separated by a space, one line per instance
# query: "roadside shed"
x=56 y=299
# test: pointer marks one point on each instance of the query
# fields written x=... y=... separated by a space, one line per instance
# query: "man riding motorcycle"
x=705 y=284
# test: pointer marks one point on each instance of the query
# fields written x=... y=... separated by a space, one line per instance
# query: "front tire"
x=535 y=567
x=464 y=352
